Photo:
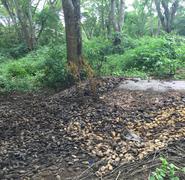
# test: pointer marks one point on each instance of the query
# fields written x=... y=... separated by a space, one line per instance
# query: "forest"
x=92 y=89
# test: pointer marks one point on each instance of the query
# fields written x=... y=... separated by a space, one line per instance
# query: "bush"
x=180 y=51
x=2 y=58
x=55 y=71
x=159 y=56
x=156 y=55
x=112 y=65
x=95 y=51
x=45 y=67
x=126 y=43
x=18 y=51
x=23 y=74
x=100 y=51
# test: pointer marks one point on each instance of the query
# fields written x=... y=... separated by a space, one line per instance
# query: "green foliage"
x=112 y=65
x=45 y=67
x=96 y=50
x=51 y=28
x=180 y=53
x=135 y=73
x=9 y=43
x=156 y=56
x=55 y=71
x=126 y=43
x=22 y=74
x=102 y=54
x=166 y=171
x=2 y=58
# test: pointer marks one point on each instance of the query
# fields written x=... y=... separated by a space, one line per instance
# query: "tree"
x=21 y=14
x=72 y=16
x=90 y=20
x=166 y=13
x=117 y=20
x=48 y=22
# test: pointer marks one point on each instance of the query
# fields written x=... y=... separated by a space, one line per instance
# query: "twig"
x=153 y=161
x=90 y=167
x=119 y=173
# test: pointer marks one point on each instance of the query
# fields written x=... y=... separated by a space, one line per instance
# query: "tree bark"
x=117 y=20
x=72 y=16
x=158 y=27
x=113 y=16
x=166 y=14
x=121 y=15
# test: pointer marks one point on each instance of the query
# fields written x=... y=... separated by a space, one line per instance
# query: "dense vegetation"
x=159 y=57
x=143 y=49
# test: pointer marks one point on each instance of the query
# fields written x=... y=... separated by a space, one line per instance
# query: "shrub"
x=95 y=51
x=153 y=56
x=22 y=74
x=126 y=43
x=45 y=67
x=135 y=73
x=112 y=65
x=55 y=73
x=180 y=51
x=98 y=50
x=156 y=55
x=55 y=70
x=2 y=58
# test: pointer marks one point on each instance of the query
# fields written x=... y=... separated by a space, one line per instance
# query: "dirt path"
x=153 y=85
x=59 y=136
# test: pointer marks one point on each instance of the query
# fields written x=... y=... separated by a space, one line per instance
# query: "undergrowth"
x=159 y=57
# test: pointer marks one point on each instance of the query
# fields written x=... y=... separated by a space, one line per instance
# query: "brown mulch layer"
x=66 y=134
x=142 y=169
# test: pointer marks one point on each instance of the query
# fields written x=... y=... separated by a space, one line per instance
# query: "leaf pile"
x=118 y=140
x=67 y=132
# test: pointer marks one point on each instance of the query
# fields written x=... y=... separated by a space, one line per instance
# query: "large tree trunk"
x=121 y=14
x=117 y=20
x=166 y=14
x=72 y=18
x=113 y=16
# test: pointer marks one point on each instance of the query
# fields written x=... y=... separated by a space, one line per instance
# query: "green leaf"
x=152 y=178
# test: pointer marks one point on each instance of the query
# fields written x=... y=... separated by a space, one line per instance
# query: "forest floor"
x=120 y=135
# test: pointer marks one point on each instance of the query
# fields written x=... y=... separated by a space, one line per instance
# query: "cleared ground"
x=153 y=85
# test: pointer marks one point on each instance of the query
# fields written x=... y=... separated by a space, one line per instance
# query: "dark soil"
x=56 y=136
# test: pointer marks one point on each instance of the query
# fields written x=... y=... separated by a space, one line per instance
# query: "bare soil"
x=153 y=85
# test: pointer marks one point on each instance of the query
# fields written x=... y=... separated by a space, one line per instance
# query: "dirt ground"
x=153 y=85
x=120 y=135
